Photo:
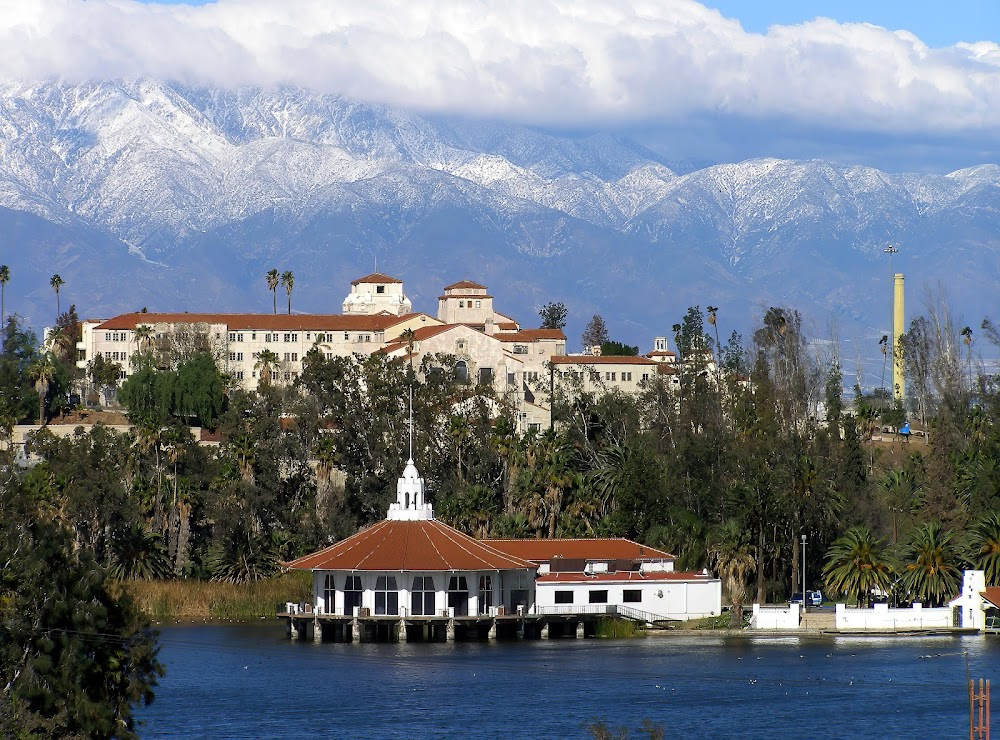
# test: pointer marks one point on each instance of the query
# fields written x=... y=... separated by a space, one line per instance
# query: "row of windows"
x=600 y=596
x=116 y=336
x=423 y=594
x=116 y=356
x=238 y=336
x=461 y=304
x=236 y=357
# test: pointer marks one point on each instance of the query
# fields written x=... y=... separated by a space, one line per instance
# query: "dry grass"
x=198 y=600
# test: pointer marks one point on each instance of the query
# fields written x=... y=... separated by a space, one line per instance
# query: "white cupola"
x=410 y=503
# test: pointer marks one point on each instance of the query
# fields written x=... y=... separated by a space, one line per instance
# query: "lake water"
x=251 y=682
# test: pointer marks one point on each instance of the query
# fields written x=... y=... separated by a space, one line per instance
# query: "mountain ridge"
x=155 y=178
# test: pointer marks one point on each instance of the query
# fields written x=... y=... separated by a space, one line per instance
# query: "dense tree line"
x=728 y=468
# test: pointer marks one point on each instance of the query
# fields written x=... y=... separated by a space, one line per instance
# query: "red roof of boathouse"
x=394 y=545
x=543 y=551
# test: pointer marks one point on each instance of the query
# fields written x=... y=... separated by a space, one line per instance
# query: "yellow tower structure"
x=898 y=330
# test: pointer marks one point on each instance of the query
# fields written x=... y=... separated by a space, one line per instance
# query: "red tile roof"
x=622 y=577
x=529 y=335
x=661 y=353
x=466 y=284
x=543 y=551
x=419 y=334
x=601 y=360
x=410 y=546
x=375 y=277
x=258 y=321
x=992 y=595
x=505 y=325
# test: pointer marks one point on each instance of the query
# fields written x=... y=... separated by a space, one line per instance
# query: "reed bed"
x=190 y=600
x=609 y=627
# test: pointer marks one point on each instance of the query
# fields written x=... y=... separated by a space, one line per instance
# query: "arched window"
x=485 y=594
x=458 y=595
x=352 y=594
x=462 y=371
x=422 y=596
x=386 y=595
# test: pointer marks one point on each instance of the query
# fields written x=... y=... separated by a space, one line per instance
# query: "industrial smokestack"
x=898 y=329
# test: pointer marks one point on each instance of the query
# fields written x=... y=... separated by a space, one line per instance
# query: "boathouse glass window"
x=458 y=595
x=599 y=597
x=329 y=594
x=422 y=596
x=352 y=594
x=485 y=594
x=632 y=595
x=386 y=595
x=564 y=597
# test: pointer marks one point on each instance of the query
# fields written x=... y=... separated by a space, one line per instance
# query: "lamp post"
x=804 y=600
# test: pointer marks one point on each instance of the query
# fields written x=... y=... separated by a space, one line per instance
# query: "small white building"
x=616 y=575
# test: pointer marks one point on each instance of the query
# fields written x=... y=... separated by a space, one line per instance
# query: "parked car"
x=813 y=598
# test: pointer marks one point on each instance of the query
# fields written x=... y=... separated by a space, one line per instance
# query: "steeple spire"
x=410 y=504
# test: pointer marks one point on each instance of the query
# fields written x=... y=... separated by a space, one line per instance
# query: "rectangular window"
x=461 y=304
x=232 y=357
x=595 y=376
x=107 y=355
x=511 y=379
x=346 y=336
x=479 y=304
x=239 y=375
x=295 y=337
x=232 y=336
x=239 y=337
x=295 y=356
x=632 y=595
x=107 y=336
x=309 y=335
x=239 y=357
x=520 y=349
x=599 y=597
x=287 y=356
x=380 y=289
x=564 y=597
x=386 y=595
x=253 y=336
x=368 y=337
x=288 y=337
x=627 y=376
x=645 y=376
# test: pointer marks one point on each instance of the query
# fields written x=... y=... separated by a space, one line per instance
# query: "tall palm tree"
x=143 y=334
x=266 y=362
x=985 y=542
x=272 y=285
x=931 y=570
x=288 y=281
x=857 y=564
x=4 y=279
x=43 y=372
x=732 y=557
x=967 y=340
x=57 y=282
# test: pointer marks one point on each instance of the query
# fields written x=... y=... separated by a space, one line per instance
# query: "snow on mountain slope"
x=187 y=178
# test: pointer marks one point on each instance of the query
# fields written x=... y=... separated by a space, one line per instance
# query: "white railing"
x=574 y=610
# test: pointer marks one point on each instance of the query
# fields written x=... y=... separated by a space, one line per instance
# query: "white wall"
x=775 y=617
x=881 y=617
x=668 y=599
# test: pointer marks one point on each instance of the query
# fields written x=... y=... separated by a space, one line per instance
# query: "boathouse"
x=413 y=577
x=616 y=576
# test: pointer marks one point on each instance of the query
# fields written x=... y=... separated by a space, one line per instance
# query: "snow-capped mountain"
x=149 y=193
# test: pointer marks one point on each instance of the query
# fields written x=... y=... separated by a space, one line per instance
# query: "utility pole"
x=803 y=574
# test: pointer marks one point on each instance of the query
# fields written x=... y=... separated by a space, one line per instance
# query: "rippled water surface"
x=251 y=682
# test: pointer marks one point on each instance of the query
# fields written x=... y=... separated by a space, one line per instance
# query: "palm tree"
x=272 y=285
x=4 y=279
x=967 y=340
x=732 y=557
x=43 y=372
x=931 y=572
x=288 y=281
x=57 y=282
x=143 y=334
x=266 y=362
x=985 y=542
x=138 y=554
x=858 y=564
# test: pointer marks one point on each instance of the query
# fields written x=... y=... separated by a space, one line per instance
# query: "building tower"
x=898 y=330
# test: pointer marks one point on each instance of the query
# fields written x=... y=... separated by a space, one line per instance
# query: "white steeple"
x=410 y=504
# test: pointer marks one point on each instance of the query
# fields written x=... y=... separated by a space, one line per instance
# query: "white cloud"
x=550 y=62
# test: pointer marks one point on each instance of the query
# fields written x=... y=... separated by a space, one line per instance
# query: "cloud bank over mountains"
x=583 y=64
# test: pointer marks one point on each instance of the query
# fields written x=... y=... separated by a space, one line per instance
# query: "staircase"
x=825 y=620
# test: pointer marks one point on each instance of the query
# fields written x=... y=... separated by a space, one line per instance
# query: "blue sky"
x=936 y=23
